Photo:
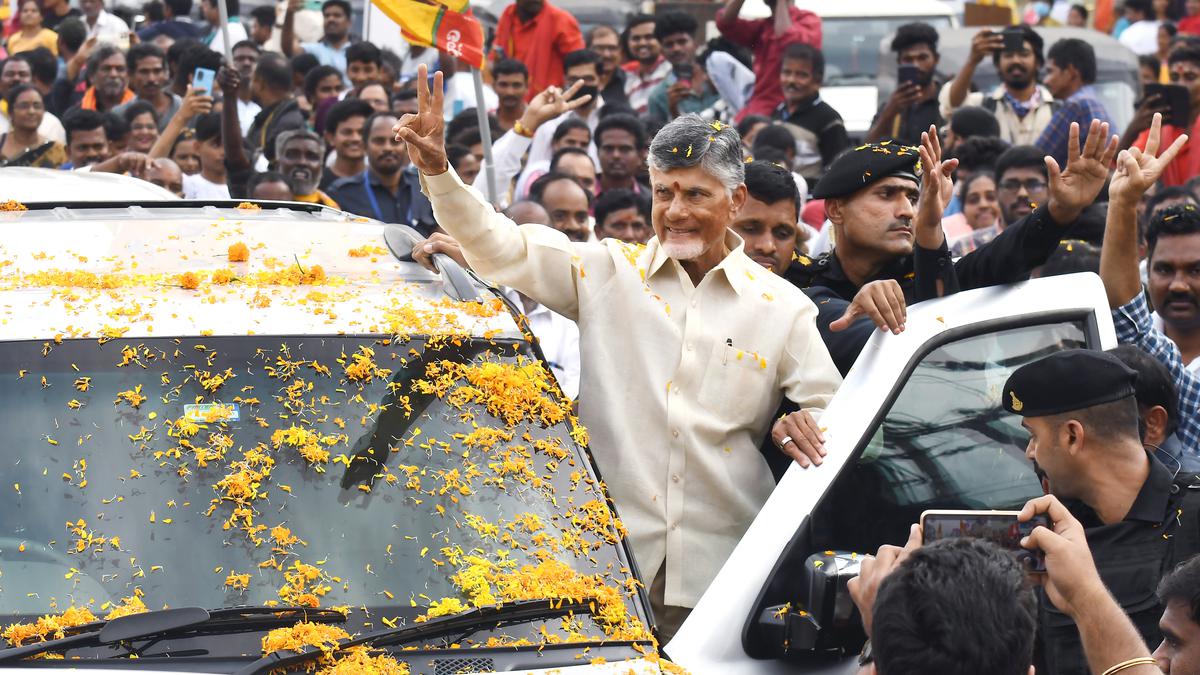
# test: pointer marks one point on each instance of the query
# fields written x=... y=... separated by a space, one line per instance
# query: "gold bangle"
x=1126 y=665
x=521 y=130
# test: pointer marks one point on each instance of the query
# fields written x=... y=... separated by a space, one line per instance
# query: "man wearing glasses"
x=1021 y=184
x=1184 y=64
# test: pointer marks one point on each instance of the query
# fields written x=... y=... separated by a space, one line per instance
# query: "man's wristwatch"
x=866 y=656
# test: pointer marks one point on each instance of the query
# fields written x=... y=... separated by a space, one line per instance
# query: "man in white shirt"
x=679 y=381
x=1142 y=34
x=105 y=27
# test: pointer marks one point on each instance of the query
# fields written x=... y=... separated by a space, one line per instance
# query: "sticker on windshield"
x=212 y=412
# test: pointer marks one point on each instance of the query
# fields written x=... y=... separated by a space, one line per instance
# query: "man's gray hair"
x=303 y=134
x=690 y=141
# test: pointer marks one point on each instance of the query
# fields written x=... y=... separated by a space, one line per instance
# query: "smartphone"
x=999 y=527
x=1177 y=100
x=203 y=79
x=908 y=74
x=1014 y=39
x=684 y=73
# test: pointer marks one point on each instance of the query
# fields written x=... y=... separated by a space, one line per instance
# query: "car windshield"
x=395 y=477
x=852 y=45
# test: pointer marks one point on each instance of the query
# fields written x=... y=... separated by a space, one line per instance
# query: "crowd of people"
x=705 y=186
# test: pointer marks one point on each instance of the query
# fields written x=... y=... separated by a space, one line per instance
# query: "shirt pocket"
x=734 y=386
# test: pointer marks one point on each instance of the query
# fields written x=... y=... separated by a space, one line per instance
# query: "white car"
x=917 y=425
x=221 y=421
x=29 y=185
x=214 y=414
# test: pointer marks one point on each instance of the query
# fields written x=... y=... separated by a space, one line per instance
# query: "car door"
x=916 y=425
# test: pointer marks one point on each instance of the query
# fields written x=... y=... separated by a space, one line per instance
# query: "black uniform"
x=1161 y=529
x=1009 y=258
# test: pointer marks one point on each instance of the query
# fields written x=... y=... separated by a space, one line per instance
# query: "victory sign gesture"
x=1138 y=169
x=425 y=131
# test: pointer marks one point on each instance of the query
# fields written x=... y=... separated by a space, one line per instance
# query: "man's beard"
x=1018 y=79
x=683 y=250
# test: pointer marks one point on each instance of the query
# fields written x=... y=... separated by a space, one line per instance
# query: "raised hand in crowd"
x=1136 y=172
x=1073 y=584
x=937 y=189
x=425 y=130
x=1075 y=187
x=1143 y=115
x=549 y=104
x=438 y=242
x=195 y=102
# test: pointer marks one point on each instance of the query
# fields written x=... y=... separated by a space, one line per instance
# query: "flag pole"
x=224 y=13
x=485 y=135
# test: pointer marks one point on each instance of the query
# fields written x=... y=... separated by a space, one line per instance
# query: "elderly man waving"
x=687 y=345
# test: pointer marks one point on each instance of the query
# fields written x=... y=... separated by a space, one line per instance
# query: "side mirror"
x=825 y=622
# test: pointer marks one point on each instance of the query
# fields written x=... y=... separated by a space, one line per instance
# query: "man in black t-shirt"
x=818 y=128
x=913 y=107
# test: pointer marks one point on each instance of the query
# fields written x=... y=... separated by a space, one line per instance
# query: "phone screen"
x=907 y=74
x=999 y=527
x=1014 y=40
x=683 y=72
x=1176 y=99
x=203 y=80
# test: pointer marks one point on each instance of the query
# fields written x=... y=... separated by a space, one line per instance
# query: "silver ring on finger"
x=784 y=441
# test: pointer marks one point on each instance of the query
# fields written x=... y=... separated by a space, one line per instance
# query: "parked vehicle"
x=269 y=420
x=916 y=425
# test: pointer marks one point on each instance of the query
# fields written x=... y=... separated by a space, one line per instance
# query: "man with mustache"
x=108 y=75
x=389 y=189
x=819 y=130
x=1022 y=106
x=147 y=66
x=648 y=67
x=675 y=427
x=1021 y=184
x=299 y=154
x=768 y=221
x=510 y=80
x=891 y=249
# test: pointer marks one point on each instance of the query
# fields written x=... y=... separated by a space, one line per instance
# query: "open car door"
x=916 y=425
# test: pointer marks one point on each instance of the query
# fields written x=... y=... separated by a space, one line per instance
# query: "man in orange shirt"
x=1184 y=64
x=538 y=34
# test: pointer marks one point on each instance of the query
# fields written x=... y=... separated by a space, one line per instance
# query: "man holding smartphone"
x=1179 y=103
x=1022 y=106
x=688 y=89
x=913 y=107
x=1141 y=520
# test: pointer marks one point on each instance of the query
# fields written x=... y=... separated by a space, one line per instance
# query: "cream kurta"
x=679 y=383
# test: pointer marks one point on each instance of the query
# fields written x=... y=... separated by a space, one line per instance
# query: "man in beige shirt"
x=687 y=345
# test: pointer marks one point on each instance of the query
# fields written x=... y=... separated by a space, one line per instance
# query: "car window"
x=944 y=443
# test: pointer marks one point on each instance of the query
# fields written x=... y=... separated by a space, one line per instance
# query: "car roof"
x=30 y=185
x=109 y=270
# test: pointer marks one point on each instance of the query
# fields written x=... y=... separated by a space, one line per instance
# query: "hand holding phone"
x=202 y=80
x=999 y=527
x=1174 y=101
x=684 y=72
x=1014 y=40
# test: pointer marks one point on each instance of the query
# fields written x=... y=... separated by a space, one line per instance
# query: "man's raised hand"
x=550 y=103
x=1074 y=188
x=1138 y=169
x=937 y=188
x=425 y=131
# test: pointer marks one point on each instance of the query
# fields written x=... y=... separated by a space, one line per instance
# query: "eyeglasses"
x=1032 y=186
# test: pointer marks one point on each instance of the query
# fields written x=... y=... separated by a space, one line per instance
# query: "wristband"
x=522 y=130
x=1126 y=665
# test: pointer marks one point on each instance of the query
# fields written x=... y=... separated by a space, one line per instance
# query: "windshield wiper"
x=466 y=622
x=156 y=625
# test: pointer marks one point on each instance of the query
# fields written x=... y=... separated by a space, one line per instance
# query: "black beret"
x=855 y=169
x=1067 y=381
